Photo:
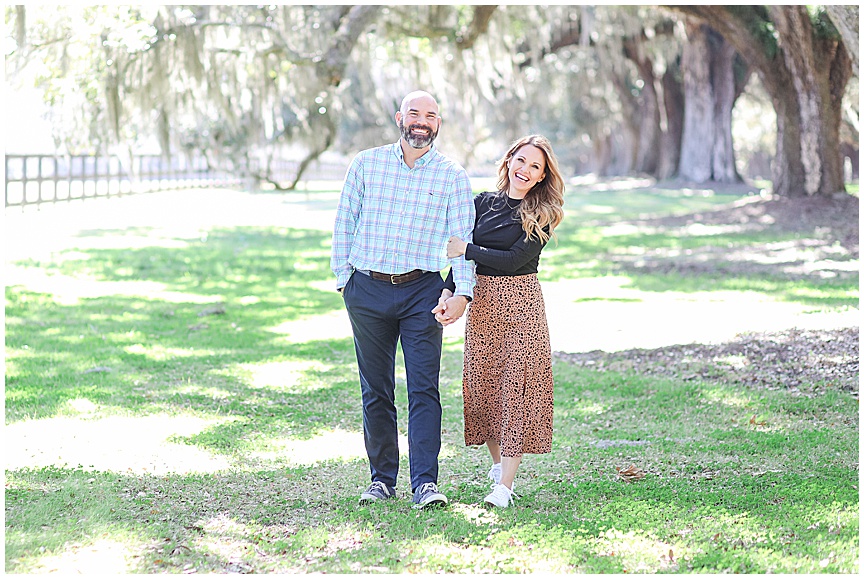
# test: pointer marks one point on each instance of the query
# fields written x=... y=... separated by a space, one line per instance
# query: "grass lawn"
x=181 y=397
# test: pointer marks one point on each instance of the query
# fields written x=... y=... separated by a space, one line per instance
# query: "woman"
x=507 y=375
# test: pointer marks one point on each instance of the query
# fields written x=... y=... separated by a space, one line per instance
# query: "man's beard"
x=417 y=141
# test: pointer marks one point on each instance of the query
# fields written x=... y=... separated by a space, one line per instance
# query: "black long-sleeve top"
x=499 y=247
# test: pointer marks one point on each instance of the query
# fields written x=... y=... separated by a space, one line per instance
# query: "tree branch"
x=478 y=27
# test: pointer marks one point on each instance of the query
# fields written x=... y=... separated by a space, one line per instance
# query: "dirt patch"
x=824 y=241
x=833 y=219
x=796 y=360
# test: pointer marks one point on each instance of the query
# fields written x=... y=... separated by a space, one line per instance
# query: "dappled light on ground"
x=727 y=397
x=226 y=539
x=142 y=445
x=637 y=552
x=607 y=314
x=283 y=376
x=159 y=219
x=69 y=291
x=329 y=326
x=682 y=354
x=332 y=445
x=119 y=444
x=477 y=514
x=100 y=558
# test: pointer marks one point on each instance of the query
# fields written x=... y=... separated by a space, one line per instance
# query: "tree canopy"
x=608 y=85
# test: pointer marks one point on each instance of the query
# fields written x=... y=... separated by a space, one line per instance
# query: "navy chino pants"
x=381 y=315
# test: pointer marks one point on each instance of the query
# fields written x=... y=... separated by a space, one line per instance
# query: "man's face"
x=419 y=123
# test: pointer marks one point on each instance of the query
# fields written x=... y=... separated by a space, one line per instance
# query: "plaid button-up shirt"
x=394 y=219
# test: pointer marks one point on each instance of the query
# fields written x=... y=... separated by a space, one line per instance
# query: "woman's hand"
x=441 y=309
x=456 y=247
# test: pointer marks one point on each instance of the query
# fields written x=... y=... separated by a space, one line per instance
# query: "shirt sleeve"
x=460 y=222
x=511 y=259
x=345 y=227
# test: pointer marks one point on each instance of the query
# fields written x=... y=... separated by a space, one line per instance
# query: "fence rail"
x=37 y=179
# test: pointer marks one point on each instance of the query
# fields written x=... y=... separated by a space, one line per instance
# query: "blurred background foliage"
x=687 y=92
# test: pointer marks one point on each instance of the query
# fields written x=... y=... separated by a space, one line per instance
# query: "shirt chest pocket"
x=427 y=201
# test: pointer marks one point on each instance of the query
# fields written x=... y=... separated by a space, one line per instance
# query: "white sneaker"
x=500 y=496
x=495 y=473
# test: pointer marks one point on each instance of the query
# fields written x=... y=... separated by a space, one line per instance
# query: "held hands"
x=456 y=247
x=450 y=308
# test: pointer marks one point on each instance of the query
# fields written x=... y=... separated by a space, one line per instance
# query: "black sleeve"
x=449 y=283
x=511 y=259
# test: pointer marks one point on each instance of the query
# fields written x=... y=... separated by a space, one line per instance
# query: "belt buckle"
x=393 y=277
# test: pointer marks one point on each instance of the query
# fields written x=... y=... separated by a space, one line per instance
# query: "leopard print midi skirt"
x=507 y=375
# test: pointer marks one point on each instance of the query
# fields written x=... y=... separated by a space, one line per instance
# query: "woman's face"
x=526 y=168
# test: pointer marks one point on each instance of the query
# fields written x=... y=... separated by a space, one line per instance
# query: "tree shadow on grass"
x=803 y=251
x=307 y=520
x=796 y=360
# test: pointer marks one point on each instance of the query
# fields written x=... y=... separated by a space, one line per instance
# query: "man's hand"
x=450 y=309
x=442 y=304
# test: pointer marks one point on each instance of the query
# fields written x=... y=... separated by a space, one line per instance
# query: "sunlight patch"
x=650 y=319
x=725 y=397
x=636 y=553
x=287 y=376
x=82 y=406
x=104 y=557
x=333 y=445
x=703 y=230
x=329 y=326
x=115 y=443
x=476 y=514
x=69 y=291
x=483 y=559
x=226 y=538
x=737 y=361
x=158 y=352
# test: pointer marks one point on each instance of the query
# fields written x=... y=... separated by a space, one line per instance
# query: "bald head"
x=416 y=97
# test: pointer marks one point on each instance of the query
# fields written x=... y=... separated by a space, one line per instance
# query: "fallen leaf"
x=753 y=421
x=630 y=474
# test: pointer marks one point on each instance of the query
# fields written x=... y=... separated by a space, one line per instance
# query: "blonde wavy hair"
x=543 y=206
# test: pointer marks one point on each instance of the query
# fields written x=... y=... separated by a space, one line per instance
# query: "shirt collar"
x=427 y=156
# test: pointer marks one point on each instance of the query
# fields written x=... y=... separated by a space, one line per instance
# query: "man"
x=400 y=204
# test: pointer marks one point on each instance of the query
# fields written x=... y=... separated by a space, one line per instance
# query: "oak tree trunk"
x=673 y=106
x=707 y=153
x=805 y=70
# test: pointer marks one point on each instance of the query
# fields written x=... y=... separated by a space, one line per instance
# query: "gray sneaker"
x=427 y=495
x=376 y=491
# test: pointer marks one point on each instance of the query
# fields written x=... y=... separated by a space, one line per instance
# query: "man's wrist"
x=467 y=298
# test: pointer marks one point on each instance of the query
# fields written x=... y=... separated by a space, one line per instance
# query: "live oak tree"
x=235 y=83
x=805 y=67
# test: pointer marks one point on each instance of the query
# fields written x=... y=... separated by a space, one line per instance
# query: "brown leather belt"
x=397 y=278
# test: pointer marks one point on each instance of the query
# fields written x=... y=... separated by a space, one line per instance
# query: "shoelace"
x=429 y=486
x=513 y=495
x=380 y=486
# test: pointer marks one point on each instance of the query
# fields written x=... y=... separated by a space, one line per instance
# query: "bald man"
x=400 y=203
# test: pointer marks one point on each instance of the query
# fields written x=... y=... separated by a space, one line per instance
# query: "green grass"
x=737 y=479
